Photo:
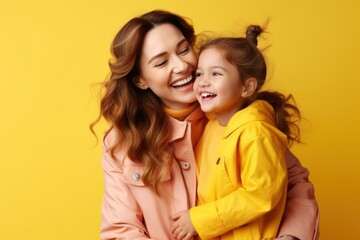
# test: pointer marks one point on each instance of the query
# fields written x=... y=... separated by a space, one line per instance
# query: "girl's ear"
x=141 y=83
x=250 y=86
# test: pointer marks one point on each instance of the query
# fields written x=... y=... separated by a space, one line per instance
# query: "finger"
x=176 y=216
x=176 y=233
x=188 y=236
x=181 y=235
x=174 y=227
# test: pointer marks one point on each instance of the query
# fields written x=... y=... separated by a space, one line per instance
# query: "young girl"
x=241 y=194
x=148 y=159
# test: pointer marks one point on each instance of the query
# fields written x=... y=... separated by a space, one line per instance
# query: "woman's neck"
x=180 y=114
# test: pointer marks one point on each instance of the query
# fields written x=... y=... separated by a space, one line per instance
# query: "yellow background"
x=51 y=52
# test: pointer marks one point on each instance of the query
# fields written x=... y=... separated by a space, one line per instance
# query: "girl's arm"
x=301 y=217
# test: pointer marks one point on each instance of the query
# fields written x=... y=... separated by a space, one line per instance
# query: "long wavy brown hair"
x=250 y=62
x=137 y=115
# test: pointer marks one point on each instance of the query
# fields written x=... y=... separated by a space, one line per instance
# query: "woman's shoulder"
x=110 y=138
x=114 y=151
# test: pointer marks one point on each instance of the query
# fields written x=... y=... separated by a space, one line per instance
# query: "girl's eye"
x=198 y=74
x=216 y=74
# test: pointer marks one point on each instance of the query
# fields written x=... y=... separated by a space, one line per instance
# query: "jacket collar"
x=257 y=111
x=178 y=128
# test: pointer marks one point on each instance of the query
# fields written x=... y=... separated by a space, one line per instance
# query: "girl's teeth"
x=204 y=95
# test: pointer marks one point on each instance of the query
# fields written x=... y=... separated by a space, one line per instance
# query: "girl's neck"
x=224 y=117
x=180 y=114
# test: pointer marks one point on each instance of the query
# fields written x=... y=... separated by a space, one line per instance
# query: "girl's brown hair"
x=250 y=62
x=137 y=115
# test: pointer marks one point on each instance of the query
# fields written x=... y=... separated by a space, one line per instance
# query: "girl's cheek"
x=195 y=86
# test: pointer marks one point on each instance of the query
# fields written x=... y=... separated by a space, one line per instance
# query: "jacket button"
x=218 y=161
x=136 y=176
x=185 y=165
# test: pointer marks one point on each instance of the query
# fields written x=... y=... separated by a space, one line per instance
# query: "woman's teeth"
x=182 y=82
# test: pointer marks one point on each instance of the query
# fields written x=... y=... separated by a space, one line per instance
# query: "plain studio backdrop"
x=53 y=54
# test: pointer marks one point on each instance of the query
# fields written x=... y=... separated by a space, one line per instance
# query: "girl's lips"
x=206 y=94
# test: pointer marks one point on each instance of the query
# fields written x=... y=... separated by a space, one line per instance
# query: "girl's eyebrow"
x=164 y=53
x=220 y=67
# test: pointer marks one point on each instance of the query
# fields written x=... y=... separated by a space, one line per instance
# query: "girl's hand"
x=182 y=229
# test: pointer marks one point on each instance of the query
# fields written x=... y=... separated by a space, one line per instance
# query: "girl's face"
x=217 y=86
x=167 y=66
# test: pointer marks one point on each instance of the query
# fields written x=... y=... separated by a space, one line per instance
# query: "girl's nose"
x=204 y=82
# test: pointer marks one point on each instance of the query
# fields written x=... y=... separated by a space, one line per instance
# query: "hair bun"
x=252 y=32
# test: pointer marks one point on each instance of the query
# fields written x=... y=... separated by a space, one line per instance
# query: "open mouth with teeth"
x=207 y=95
x=183 y=82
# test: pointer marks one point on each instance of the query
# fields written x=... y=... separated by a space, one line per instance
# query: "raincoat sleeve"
x=301 y=216
x=121 y=215
x=263 y=184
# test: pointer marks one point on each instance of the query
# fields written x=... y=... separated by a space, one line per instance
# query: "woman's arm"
x=301 y=216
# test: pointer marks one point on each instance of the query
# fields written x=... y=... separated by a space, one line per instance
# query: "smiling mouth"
x=207 y=95
x=183 y=82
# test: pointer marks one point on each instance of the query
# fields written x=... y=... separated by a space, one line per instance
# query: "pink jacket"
x=132 y=211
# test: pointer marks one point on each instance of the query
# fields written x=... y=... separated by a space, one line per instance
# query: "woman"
x=148 y=160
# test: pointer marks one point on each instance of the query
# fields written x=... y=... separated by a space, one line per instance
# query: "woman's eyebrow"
x=164 y=53
x=156 y=56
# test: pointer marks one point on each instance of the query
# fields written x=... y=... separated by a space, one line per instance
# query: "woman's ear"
x=250 y=86
x=141 y=83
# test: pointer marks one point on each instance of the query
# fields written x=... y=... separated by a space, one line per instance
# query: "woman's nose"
x=180 y=65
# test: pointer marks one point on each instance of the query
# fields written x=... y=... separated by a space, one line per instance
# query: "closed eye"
x=161 y=63
x=184 y=50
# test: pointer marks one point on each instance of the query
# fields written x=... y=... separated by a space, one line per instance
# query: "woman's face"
x=167 y=65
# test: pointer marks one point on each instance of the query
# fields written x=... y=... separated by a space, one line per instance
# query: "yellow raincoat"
x=242 y=194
